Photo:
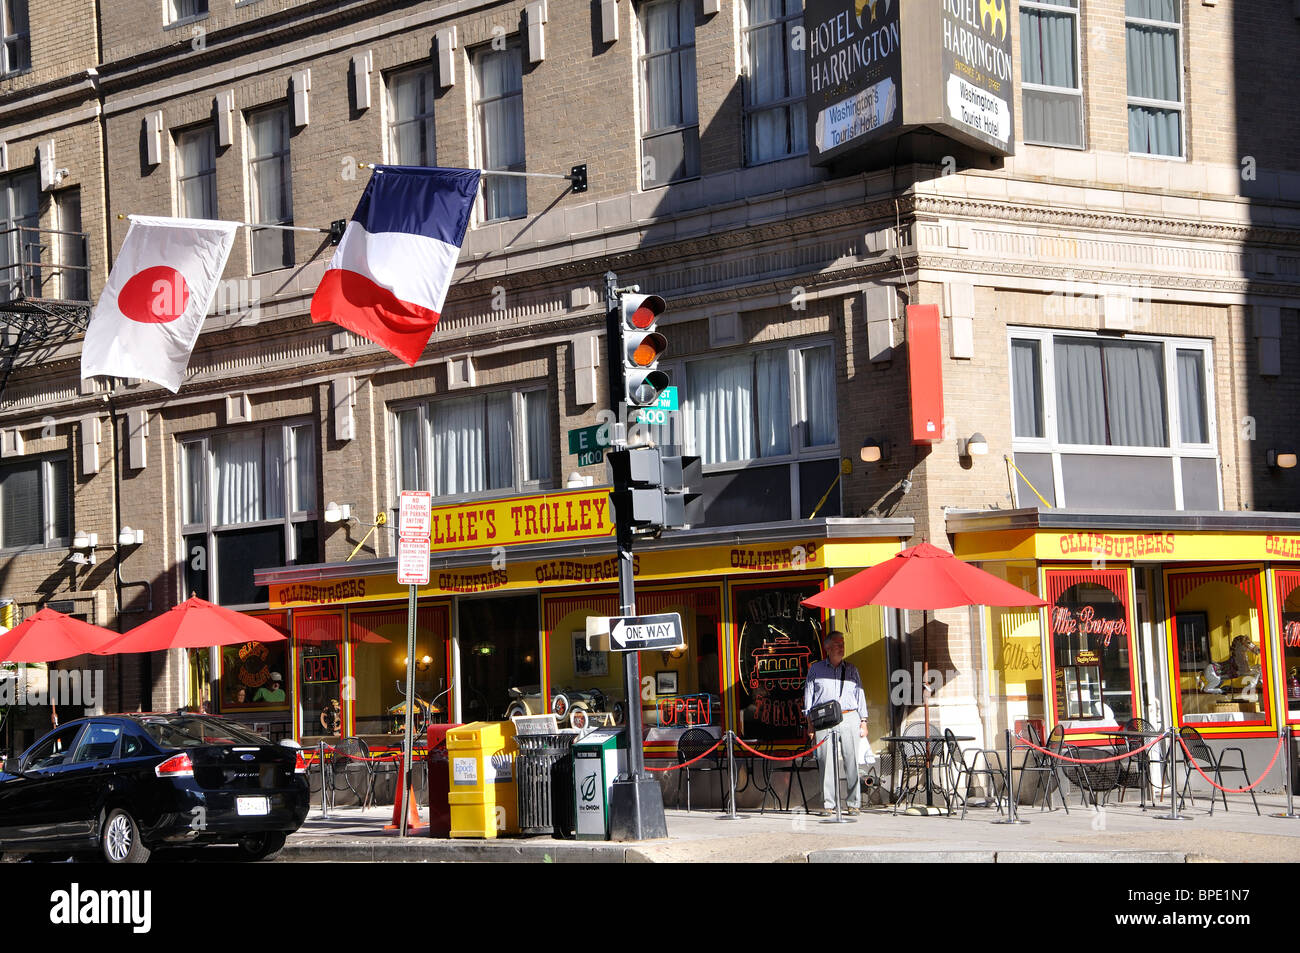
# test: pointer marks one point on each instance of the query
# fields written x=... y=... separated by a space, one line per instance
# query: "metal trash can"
x=544 y=782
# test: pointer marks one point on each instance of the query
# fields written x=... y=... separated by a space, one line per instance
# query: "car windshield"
x=188 y=731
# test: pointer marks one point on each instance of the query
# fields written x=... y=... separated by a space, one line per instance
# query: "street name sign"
x=641 y=633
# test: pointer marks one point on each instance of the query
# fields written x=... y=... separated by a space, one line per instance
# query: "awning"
x=795 y=546
x=1138 y=536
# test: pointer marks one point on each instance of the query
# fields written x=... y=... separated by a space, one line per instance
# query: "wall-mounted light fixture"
x=673 y=654
x=874 y=450
x=130 y=537
x=1281 y=459
x=421 y=664
x=976 y=445
x=338 y=512
x=82 y=550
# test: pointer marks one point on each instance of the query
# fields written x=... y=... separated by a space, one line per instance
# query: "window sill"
x=177 y=24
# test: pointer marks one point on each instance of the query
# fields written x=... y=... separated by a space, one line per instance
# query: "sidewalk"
x=1120 y=832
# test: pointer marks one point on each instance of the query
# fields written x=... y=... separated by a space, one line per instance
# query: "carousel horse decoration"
x=1239 y=664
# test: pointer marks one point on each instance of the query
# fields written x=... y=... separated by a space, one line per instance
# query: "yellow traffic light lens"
x=645 y=354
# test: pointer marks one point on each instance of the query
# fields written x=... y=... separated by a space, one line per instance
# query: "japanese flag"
x=152 y=308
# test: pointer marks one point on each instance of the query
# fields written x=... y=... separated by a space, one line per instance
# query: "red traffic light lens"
x=643 y=317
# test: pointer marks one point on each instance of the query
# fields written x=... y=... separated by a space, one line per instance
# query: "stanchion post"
x=1173 y=779
x=731 y=814
x=1289 y=780
x=324 y=803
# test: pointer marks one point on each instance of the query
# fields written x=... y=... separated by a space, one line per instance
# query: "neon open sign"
x=320 y=668
x=683 y=711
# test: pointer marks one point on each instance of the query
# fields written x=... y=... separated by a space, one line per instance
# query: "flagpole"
x=578 y=176
x=282 y=228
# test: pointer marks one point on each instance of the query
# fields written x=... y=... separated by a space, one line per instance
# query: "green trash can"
x=598 y=758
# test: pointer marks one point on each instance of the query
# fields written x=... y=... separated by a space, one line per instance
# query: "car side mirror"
x=13 y=765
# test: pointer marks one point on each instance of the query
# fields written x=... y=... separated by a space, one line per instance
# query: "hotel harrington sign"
x=879 y=68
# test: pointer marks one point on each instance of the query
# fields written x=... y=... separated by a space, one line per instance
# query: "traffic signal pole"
x=636 y=801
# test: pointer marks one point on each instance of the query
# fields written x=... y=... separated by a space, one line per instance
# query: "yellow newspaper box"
x=482 y=795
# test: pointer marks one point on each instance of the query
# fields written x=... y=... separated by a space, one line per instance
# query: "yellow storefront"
x=1186 y=619
x=503 y=622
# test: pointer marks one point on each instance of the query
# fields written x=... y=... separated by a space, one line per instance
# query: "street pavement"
x=1117 y=833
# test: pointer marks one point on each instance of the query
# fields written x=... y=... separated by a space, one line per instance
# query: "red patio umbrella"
x=194 y=624
x=923 y=577
x=48 y=636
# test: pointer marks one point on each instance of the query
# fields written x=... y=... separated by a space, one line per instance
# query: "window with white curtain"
x=196 y=173
x=248 y=501
x=410 y=118
x=484 y=443
x=1154 y=37
x=775 y=122
x=1100 y=418
x=35 y=503
x=15 y=39
x=19 y=242
x=764 y=425
x=499 y=113
x=270 y=188
x=1050 y=91
x=670 y=125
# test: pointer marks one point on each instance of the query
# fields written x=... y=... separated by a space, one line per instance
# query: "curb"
x=371 y=850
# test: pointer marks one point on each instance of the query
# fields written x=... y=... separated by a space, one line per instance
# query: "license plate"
x=252 y=805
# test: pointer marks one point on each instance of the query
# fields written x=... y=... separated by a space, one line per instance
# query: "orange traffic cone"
x=413 y=823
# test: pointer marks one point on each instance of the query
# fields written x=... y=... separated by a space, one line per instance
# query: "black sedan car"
x=126 y=785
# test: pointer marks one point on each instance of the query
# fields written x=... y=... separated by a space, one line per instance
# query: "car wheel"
x=261 y=846
x=120 y=839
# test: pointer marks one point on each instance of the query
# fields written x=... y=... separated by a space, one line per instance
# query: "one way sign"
x=638 y=633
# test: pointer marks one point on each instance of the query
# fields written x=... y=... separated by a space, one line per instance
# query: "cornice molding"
x=1024 y=214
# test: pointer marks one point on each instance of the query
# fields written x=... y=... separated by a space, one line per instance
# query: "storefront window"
x=1091 y=642
x=1016 y=646
x=253 y=675
x=378 y=644
x=1217 y=631
x=499 y=650
x=779 y=638
x=320 y=668
x=1288 y=590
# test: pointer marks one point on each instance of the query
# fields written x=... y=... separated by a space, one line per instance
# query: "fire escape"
x=44 y=292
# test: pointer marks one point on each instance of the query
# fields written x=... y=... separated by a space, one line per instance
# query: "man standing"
x=834 y=679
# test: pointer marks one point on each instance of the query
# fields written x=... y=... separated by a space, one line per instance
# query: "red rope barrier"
x=1119 y=757
x=1192 y=761
x=674 y=767
x=793 y=757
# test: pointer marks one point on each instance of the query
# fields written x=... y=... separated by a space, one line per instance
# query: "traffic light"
x=641 y=347
x=651 y=491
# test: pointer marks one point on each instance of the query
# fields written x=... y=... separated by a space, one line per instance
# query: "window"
x=775 y=124
x=764 y=426
x=670 y=137
x=196 y=173
x=15 y=41
x=74 y=273
x=34 y=503
x=499 y=112
x=271 y=188
x=1091 y=641
x=248 y=501
x=410 y=122
x=20 y=245
x=479 y=444
x=1155 y=77
x=1108 y=421
x=1051 y=96
x=178 y=10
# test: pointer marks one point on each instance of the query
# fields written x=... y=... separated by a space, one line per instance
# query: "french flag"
x=389 y=276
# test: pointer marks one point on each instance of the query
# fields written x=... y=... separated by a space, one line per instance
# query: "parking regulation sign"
x=413 y=528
